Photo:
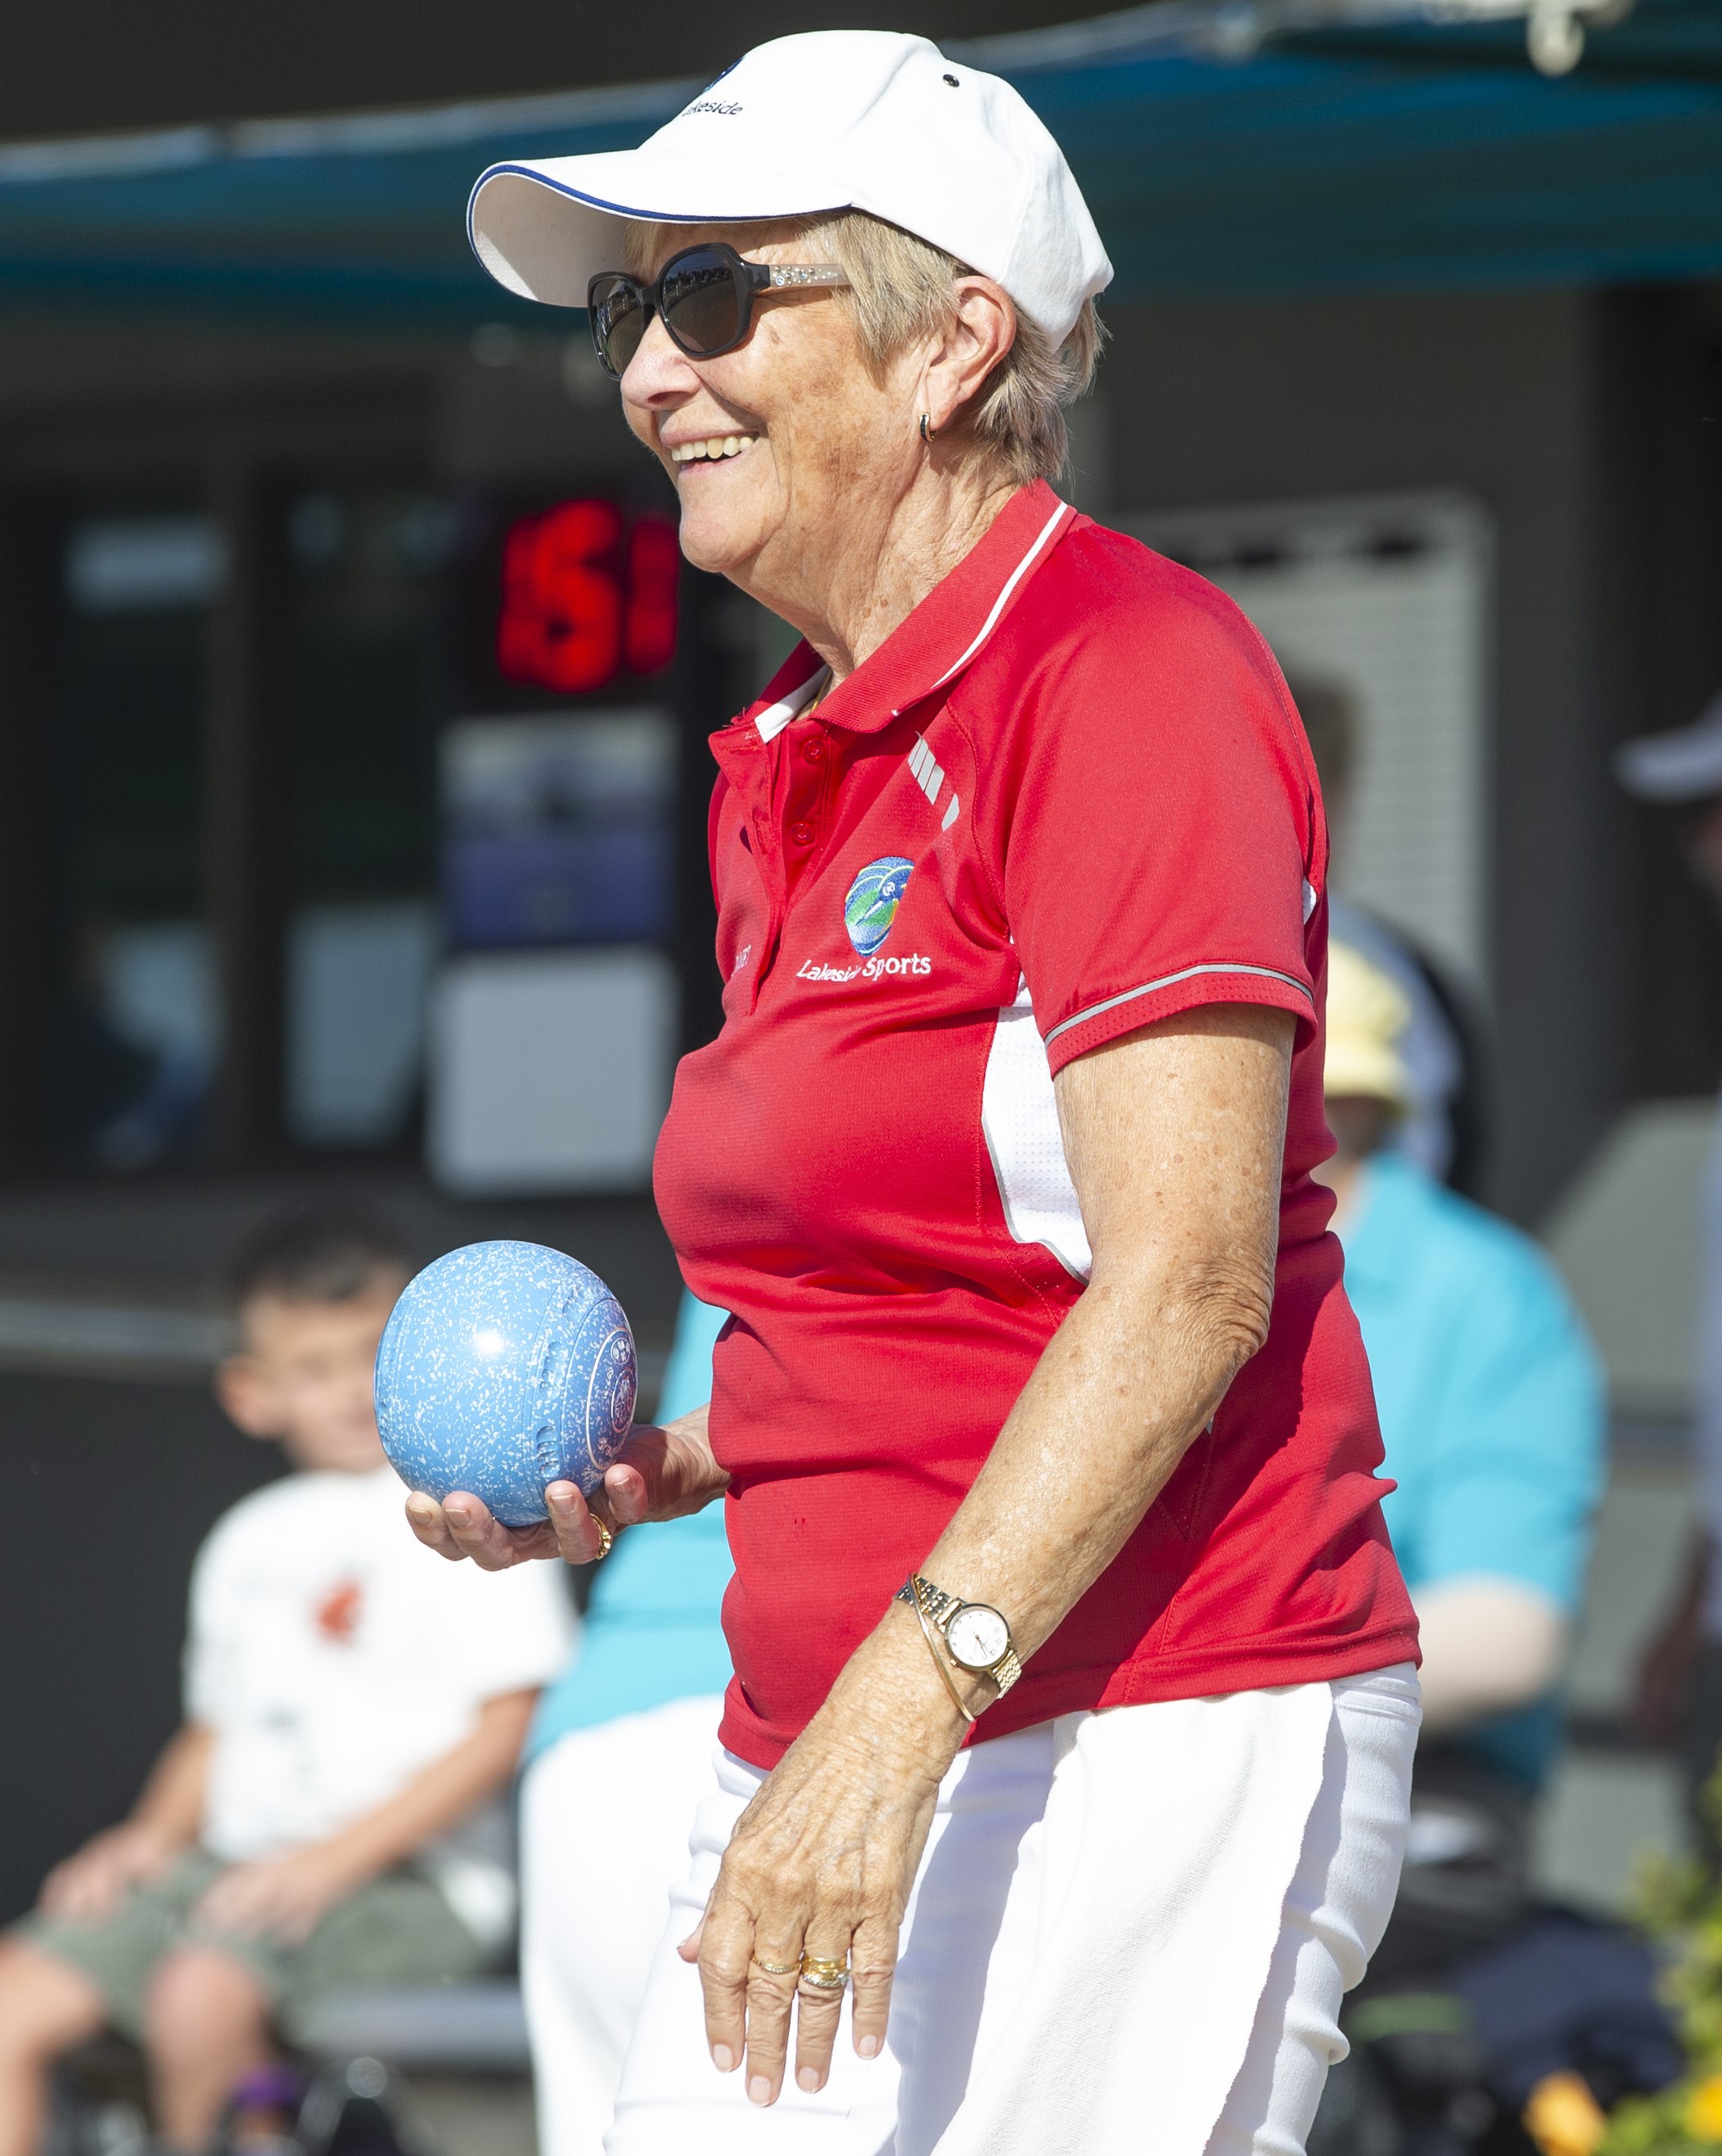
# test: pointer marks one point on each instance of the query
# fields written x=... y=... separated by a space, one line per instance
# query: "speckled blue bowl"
x=504 y=1367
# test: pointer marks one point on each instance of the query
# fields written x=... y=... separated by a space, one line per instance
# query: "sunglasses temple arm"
x=780 y=275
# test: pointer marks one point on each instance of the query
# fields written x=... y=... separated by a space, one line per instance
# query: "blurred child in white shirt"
x=327 y=1817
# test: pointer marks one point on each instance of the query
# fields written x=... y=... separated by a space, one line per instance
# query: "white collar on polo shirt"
x=772 y=720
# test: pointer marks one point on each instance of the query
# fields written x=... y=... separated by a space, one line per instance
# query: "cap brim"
x=1358 y=1068
x=545 y=229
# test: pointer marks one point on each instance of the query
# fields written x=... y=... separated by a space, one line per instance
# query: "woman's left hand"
x=659 y=1473
x=821 y=1864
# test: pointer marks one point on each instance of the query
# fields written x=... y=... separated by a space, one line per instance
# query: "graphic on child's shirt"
x=337 y=1616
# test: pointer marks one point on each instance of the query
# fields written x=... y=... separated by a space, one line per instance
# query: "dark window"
x=362 y=930
x=138 y=1031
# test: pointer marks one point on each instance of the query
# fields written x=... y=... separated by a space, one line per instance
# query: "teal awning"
x=1390 y=154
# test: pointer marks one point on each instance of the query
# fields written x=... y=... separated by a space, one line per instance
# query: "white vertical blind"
x=550 y=1070
x=1387 y=598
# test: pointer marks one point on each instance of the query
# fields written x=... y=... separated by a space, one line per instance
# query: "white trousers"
x=1130 y=1931
x=603 y=1816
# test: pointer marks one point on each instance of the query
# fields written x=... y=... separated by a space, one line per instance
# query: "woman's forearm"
x=1128 y=1383
x=1093 y=1439
x=1175 y=1138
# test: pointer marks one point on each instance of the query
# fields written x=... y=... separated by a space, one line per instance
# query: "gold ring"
x=778 y=1968
x=608 y=1542
x=821 y=1975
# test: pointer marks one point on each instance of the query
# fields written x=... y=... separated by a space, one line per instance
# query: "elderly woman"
x=1074 y=1700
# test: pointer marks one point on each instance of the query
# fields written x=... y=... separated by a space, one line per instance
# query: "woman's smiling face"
x=772 y=447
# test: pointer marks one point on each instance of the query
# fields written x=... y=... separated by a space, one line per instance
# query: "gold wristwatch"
x=976 y=1635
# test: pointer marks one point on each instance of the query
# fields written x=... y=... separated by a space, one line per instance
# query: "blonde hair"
x=900 y=291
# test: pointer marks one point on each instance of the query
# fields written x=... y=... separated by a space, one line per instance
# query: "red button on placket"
x=814 y=749
x=801 y=833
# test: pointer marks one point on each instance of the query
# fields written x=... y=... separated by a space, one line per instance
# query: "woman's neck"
x=847 y=601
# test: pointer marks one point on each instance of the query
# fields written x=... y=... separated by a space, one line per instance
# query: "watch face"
x=977 y=1635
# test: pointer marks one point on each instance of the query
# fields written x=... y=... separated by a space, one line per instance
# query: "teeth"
x=714 y=447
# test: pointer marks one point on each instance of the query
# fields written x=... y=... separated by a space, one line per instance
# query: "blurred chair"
x=476 y=2028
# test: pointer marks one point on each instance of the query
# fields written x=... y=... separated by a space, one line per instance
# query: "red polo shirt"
x=1068 y=797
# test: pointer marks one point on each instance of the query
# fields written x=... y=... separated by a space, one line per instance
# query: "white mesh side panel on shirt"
x=1020 y=1119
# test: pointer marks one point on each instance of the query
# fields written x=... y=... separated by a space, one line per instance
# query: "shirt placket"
x=801 y=780
x=747 y=763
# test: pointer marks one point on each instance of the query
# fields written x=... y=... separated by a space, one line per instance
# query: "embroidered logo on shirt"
x=337 y=1616
x=873 y=899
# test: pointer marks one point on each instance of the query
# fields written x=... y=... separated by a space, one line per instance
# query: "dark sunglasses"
x=705 y=296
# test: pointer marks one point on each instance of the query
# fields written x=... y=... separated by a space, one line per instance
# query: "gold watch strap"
x=915 y=1584
x=919 y=1592
x=934 y=1602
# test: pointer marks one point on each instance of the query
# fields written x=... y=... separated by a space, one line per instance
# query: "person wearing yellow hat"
x=1489 y=1391
x=1491 y=1404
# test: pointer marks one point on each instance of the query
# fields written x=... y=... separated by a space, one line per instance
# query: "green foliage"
x=1679 y=1905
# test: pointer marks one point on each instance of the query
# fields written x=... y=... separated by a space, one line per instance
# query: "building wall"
x=1561 y=412
x=1575 y=418
x=1512 y=397
x=92 y=1601
x=109 y=64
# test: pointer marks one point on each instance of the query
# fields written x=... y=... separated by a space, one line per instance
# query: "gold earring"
x=928 y=432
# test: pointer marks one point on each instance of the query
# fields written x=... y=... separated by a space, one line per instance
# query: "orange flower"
x=1564 y=2118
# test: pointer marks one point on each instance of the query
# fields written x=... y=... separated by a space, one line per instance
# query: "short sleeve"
x=210 y=1643
x=1160 y=833
x=1516 y=1469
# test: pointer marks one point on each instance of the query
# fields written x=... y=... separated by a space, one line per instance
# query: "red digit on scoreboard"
x=654 y=574
x=561 y=622
x=577 y=604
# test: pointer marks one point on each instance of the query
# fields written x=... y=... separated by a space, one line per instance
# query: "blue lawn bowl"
x=504 y=1367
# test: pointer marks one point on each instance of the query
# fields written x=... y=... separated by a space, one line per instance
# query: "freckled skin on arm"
x=1175 y=1139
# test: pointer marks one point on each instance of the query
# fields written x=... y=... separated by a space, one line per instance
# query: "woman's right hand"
x=659 y=1473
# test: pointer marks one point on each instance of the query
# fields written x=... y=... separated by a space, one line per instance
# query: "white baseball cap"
x=1684 y=765
x=830 y=120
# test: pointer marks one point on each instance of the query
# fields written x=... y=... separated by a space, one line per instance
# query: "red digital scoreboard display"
x=586 y=595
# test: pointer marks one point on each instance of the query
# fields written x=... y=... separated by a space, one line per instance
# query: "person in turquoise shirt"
x=1492 y=1410
x=618 y=1757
